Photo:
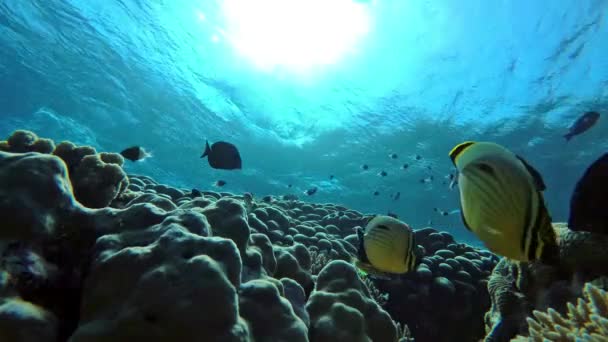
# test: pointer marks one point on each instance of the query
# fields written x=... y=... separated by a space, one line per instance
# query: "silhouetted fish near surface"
x=331 y=177
x=418 y=157
x=589 y=202
x=376 y=193
x=405 y=166
x=289 y=185
x=222 y=155
x=220 y=183
x=382 y=173
x=364 y=167
x=195 y=193
x=393 y=155
x=582 y=124
x=135 y=153
x=310 y=191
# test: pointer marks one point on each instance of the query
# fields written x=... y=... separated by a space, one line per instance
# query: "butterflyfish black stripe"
x=534 y=233
x=527 y=225
x=456 y=151
x=381 y=226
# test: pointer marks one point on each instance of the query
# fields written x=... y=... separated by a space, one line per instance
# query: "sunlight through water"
x=295 y=35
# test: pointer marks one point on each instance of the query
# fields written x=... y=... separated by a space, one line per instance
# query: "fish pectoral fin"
x=536 y=176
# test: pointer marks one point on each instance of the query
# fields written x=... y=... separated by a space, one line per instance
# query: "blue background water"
x=429 y=74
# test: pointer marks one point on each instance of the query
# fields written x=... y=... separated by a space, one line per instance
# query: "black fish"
x=582 y=124
x=311 y=191
x=289 y=185
x=376 y=193
x=405 y=166
x=397 y=196
x=393 y=155
x=135 y=153
x=220 y=183
x=222 y=155
x=195 y=193
x=331 y=177
x=418 y=157
x=364 y=167
x=382 y=173
x=589 y=202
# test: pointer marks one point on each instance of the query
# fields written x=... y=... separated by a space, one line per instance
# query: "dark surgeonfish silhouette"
x=135 y=153
x=582 y=124
x=222 y=155
x=589 y=202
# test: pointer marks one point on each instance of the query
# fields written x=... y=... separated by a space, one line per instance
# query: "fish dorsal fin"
x=458 y=149
x=538 y=179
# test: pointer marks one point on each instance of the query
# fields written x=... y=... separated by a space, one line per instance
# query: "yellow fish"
x=386 y=246
x=502 y=202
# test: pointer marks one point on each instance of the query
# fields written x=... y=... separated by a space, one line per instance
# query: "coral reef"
x=448 y=289
x=518 y=289
x=588 y=320
x=102 y=255
x=341 y=308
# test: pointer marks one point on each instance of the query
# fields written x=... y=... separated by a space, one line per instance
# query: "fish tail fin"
x=207 y=149
x=148 y=154
x=568 y=136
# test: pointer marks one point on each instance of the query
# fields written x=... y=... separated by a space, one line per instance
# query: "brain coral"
x=341 y=308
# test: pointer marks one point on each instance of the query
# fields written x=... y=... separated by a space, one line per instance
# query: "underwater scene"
x=303 y=170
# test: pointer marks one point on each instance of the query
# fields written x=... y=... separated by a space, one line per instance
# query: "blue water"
x=425 y=76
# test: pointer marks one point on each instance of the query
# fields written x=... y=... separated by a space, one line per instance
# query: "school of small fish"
x=489 y=178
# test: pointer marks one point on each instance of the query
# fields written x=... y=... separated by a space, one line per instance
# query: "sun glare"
x=295 y=34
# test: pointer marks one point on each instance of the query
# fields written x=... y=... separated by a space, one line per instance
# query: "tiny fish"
x=427 y=179
x=289 y=185
x=135 y=153
x=382 y=173
x=222 y=155
x=376 y=193
x=397 y=196
x=418 y=157
x=220 y=183
x=405 y=166
x=331 y=177
x=364 y=167
x=582 y=124
x=393 y=155
x=311 y=191
x=441 y=212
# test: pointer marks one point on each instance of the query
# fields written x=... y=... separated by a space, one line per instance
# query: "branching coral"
x=377 y=295
x=403 y=333
x=319 y=260
x=588 y=320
